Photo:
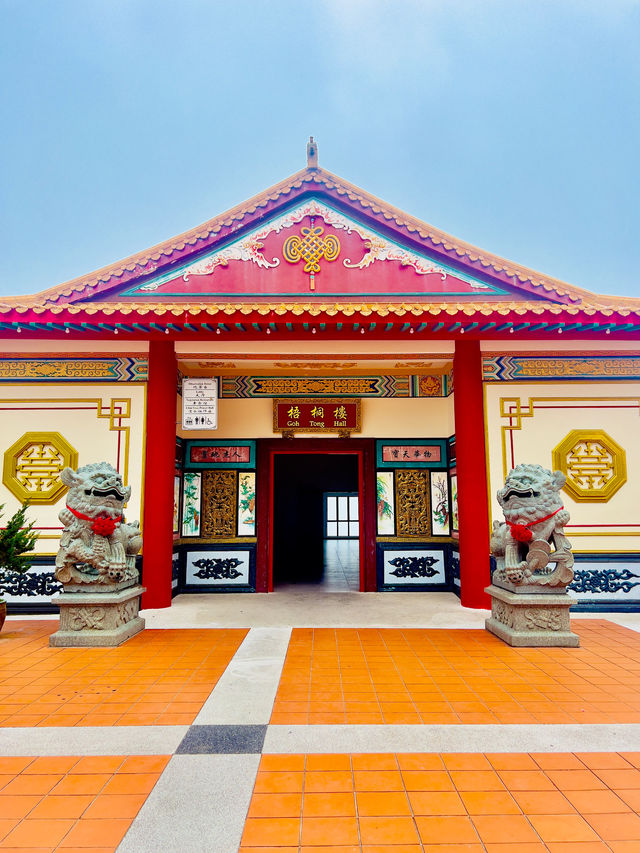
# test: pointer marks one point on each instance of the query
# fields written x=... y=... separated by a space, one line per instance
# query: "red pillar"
x=159 y=473
x=473 y=504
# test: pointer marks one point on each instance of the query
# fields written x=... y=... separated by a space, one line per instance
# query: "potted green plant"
x=17 y=539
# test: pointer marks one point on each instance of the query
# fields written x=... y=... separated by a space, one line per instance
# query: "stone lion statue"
x=534 y=521
x=97 y=546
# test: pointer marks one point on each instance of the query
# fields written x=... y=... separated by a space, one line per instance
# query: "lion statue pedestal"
x=534 y=564
x=96 y=563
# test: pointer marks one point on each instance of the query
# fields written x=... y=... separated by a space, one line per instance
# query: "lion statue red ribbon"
x=97 y=545
x=530 y=546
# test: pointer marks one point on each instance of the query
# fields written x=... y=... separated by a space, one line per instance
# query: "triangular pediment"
x=312 y=237
x=313 y=249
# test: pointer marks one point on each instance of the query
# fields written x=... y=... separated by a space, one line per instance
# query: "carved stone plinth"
x=531 y=620
x=98 y=618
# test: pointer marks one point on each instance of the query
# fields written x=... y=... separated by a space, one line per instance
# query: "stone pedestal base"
x=98 y=618
x=531 y=619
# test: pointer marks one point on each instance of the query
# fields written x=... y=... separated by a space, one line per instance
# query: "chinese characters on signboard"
x=199 y=403
x=226 y=454
x=317 y=415
x=410 y=453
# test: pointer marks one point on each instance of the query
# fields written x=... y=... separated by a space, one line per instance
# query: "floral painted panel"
x=454 y=502
x=246 y=503
x=385 y=502
x=176 y=504
x=439 y=503
x=191 y=503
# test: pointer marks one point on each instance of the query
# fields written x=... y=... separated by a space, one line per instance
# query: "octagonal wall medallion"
x=595 y=465
x=32 y=467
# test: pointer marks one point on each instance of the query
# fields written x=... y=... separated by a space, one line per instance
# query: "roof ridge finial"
x=312 y=154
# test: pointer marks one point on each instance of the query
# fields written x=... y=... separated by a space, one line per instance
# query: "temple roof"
x=517 y=290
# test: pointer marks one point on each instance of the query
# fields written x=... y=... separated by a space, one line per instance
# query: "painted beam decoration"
x=54 y=369
x=314 y=250
x=316 y=415
x=510 y=368
x=249 y=387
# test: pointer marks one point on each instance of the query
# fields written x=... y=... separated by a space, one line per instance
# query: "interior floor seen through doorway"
x=316 y=525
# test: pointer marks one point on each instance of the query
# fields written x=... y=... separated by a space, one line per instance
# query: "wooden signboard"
x=316 y=414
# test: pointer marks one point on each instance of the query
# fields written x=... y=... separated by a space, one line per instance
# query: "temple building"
x=315 y=387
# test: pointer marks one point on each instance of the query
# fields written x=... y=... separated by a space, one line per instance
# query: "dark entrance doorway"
x=303 y=553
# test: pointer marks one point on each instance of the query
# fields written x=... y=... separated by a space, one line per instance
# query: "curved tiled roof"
x=317 y=309
x=301 y=182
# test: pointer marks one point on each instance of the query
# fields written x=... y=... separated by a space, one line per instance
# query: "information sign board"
x=199 y=403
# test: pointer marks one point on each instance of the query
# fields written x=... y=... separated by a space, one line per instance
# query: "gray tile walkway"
x=244 y=694
x=198 y=805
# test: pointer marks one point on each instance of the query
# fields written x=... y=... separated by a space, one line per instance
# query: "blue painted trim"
x=603 y=607
x=319 y=295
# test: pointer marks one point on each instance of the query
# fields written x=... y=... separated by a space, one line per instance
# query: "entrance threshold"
x=309 y=607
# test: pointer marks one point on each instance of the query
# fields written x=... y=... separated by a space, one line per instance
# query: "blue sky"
x=514 y=125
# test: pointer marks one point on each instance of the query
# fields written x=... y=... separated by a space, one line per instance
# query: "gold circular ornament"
x=595 y=465
x=32 y=467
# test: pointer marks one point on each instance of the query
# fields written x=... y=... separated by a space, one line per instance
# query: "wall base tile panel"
x=34 y=587
x=413 y=566
x=607 y=580
x=455 y=569
x=603 y=582
x=175 y=570
x=219 y=568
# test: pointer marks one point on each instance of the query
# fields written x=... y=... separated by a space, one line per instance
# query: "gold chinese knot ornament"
x=311 y=247
x=595 y=465
x=32 y=467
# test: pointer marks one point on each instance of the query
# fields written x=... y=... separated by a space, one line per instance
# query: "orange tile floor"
x=457 y=676
x=73 y=804
x=409 y=803
x=160 y=677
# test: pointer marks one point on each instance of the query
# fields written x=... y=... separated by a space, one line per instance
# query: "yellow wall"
x=42 y=346
x=549 y=411
x=390 y=417
x=81 y=414
x=316 y=345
